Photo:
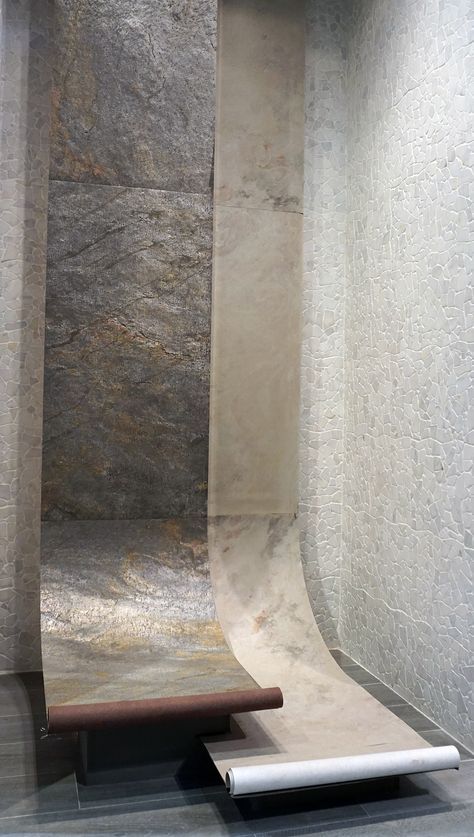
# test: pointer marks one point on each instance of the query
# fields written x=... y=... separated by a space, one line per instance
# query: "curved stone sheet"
x=25 y=71
x=128 y=613
x=255 y=561
x=266 y=616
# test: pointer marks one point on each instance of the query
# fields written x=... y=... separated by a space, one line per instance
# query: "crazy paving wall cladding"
x=406 y=606
x=24 y=128
x=386 y=422
x=322 y=347
x=129 y=260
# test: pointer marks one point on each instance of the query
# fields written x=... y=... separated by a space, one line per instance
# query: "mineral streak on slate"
x=127 y=353
x=134 y=93
x=128 y=613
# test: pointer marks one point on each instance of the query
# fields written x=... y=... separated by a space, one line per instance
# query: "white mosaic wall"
x=24 y=134
x=407 y=568
x=322 y=385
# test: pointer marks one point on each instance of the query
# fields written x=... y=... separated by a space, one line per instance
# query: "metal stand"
x=142 y=752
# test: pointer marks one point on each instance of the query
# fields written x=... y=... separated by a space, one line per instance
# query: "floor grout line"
x=77 y=792
x=152 y=798
x=434 y=728
x=38 y=813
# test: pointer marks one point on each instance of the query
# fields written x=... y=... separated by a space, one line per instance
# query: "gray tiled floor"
x=39 y=793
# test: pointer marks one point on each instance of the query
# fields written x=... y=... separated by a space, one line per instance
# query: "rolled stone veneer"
x=268 y=778
x=330 y=729
x=129 y=630
x=95 y=716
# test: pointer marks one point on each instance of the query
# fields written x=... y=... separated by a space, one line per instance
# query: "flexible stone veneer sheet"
x=259 y=138
x=254 y=423
x=255 y=561
x=128 y=298
x=128 y=614
x=266 y=616
x=134 y=93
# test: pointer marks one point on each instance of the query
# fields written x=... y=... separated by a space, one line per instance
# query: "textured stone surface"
x=24 y=114
x=263 y=606
x=259 y=139
x=255 y=562
x=257 y=260
x=322 y=350
x=255 y=339
x=406 y=604
x=406 y=336
x=133 y=96
x=127 y=353
x=128 y=613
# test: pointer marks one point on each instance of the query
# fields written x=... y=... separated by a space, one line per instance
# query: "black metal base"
x=133 y=753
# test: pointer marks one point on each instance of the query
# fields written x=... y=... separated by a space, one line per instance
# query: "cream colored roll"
x=271 y=778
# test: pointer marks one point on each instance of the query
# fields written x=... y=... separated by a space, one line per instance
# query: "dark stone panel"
x=134 y=93
x=427 y=791
x=127 y=353
x=342 y=659
x=21 y=694
x=15 y=729
x=210 y=816
x=447 y=823
x=412 y=717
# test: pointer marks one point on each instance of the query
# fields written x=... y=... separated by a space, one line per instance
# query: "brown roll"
x=89 y=716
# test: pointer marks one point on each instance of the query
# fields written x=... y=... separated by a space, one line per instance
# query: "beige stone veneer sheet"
x=267 y=619
x=256 y=335
x=255 y=360
x=260 y=91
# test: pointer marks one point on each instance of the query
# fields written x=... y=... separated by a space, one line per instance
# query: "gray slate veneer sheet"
x=128 y=298
x=134 y=93
x=128 y=613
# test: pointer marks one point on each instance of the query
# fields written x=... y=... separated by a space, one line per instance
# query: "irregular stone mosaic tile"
x=24 y=131
x=406 y=594
x=134 y=93
x=127 y=353
x=322 y=381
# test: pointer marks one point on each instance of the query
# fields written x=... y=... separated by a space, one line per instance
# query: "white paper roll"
x=268 y=778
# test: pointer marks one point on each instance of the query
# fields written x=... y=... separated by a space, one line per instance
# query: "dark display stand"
x=142 y=752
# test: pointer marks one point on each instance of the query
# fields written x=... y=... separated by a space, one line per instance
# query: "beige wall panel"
x=259 y=160
x=255 y=361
